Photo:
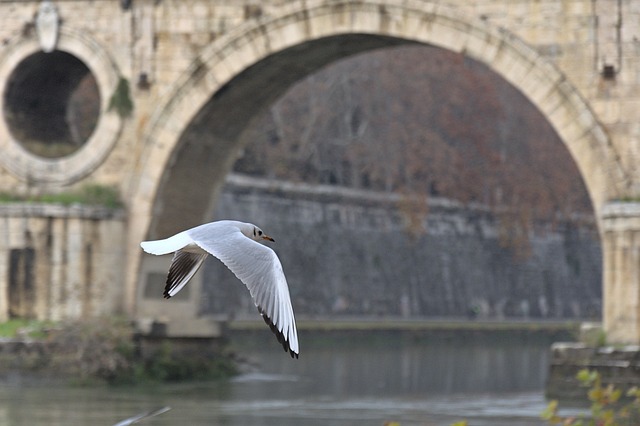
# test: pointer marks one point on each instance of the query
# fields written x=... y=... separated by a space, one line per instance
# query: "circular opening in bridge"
x=51 y=104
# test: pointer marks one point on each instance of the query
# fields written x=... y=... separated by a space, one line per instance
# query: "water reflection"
x=340 y=380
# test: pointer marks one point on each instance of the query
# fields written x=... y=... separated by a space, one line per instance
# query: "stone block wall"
x=59 y=262
x=349 y=252
x=618 y=366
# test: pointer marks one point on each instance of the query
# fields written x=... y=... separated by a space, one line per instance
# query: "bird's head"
x=256 y=233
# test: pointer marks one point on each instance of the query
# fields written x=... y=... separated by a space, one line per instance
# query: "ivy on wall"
x=121 y=99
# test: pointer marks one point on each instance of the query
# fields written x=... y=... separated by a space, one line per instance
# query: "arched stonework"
x=250 y=66
x=68 y=169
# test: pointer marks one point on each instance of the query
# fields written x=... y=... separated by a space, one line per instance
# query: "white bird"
x=257 y=266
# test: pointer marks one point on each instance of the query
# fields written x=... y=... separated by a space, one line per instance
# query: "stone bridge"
x=197 y=71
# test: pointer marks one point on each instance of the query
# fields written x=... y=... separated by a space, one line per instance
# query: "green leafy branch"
x=606 y=409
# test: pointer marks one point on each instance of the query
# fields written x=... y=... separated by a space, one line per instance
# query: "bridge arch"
x=252 y=65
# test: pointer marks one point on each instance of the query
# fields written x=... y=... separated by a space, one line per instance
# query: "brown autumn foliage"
x=421 y=120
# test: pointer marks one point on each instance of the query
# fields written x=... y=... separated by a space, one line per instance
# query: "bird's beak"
x=266 y=237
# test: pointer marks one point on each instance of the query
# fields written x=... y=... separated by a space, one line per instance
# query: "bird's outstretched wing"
x=259 y=268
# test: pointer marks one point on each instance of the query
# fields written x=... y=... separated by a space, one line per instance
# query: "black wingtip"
x=279 y=335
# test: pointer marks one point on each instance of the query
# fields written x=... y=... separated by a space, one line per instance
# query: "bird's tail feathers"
x=166 y=246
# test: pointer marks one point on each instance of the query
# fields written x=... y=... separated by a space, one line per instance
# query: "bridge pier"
x=621 y=272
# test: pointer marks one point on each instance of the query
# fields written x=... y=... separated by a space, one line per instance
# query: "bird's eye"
x=259 y=232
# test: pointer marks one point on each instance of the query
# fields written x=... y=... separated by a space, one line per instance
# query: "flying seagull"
x=256 y=265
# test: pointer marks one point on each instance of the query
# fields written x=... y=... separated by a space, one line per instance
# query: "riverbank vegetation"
x=103 y=350
x=608 y=405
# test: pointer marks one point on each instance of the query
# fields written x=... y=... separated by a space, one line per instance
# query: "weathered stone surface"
x=349 y=252
x=60 y=262
x=619 y=366
x=200 y=69
x=621 y=244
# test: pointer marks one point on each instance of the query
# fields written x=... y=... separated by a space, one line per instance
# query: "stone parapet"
x=77 y=211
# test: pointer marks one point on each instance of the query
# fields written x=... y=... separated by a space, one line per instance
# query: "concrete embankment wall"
x=348 y=253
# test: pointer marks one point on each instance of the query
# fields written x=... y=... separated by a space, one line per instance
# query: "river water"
x=340 y=379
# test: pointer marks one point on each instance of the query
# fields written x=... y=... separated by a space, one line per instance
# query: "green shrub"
x=91 y=195
x=24 y=328
x=105 y=350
